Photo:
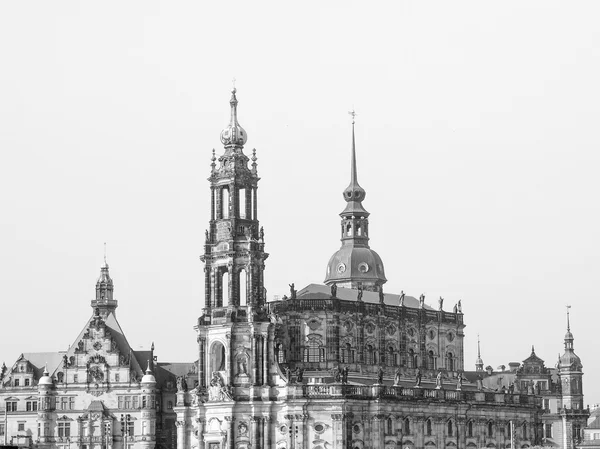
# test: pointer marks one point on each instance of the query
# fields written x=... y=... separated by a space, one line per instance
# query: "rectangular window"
x=130 y=429
x=72 y=403
x=29 y=406
x=136 y=402
x=21 y=427
x=548 y=430
x=27 y=382
x=120 y=402
x=144 y=404
x=169 y=405
x=117 y=377
x=547 y=404
x=64 y=429
x=127 y=402
x=75 y=378
x=2 y=429
x=11 y=406
x=17 y=382
x=63 y=403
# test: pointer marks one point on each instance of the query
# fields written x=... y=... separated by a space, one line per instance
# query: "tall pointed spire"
x=479 y=361
x=355 y=265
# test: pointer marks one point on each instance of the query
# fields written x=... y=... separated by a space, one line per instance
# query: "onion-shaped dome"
x=233 y=134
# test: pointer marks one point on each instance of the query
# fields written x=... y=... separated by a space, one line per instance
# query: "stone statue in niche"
x=293 y=291
x=438 y=381
x=80 y=346
x=441 y=303
x=421 y=301
x=402 y=298
x=397 y=377
x=333 y=290
x=242 y=365
x=60 y=377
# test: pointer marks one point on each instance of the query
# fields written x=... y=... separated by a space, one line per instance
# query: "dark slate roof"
x=320 y=291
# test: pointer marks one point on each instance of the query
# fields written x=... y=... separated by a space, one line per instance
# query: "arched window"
x=347 y=353
x=370 y=355
x=490 y=429
x=390 y=426
x=428 y=429
x=217 y=357
x=225 y=202
x=314 y=353
x=412 y=358
x=450 y=361
x=525 y=431
x=406 y=426
x=391 y=357
x=450 y=428
x=470 y=429
x=430 y=360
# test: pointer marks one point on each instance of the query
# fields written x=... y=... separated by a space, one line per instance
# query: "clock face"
x=341 y=268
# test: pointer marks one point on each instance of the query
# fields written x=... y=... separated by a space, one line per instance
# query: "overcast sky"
x=477 y=143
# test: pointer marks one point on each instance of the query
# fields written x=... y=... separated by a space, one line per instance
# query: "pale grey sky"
x=476 y=137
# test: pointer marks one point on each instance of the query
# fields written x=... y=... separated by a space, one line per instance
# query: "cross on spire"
x=353 y=114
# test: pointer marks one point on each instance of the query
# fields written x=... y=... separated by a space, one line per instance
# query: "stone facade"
x=339 y=365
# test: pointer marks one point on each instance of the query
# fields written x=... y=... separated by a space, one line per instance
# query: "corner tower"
x=355 y=264
x=234 y=247
x=571 y=374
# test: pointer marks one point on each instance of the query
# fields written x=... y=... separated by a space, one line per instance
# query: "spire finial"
x=532 y=349
x=233 y=83
x=148 y=370
x=353 y=174
x=568 y=321
x=105 y=264
x=478 y=348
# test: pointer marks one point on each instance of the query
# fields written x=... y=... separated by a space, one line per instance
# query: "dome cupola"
x=233 y=134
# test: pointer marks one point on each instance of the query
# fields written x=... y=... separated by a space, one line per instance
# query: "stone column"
x=230 y=435
x=254 y=431
x=254 y=204
x=181 y=443
x=266 y=432
x=255 y=360
x=202 y=362
x=230 y=285
x=201 y=423
x=265 y=338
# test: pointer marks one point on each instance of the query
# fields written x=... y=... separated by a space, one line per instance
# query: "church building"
x=341 y=364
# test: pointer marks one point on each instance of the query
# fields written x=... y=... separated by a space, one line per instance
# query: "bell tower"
x=234 y=243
